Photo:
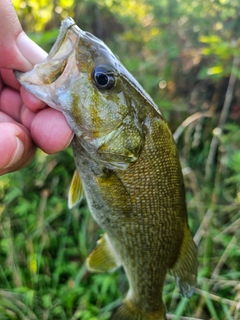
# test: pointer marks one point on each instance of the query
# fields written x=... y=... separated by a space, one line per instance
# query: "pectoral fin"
x=103 y=258
x=75 y=193
x=185 y=269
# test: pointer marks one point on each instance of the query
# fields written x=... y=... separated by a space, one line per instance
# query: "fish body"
x=128 y=166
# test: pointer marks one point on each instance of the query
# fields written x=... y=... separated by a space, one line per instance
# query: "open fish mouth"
x=52 y=75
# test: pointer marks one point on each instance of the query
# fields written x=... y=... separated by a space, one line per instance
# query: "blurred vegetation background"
x=186 y=55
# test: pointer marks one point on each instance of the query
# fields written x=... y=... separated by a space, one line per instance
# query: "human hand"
x=25 y=121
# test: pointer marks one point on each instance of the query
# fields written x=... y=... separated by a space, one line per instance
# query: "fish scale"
x=127 y=166
x=131 y=243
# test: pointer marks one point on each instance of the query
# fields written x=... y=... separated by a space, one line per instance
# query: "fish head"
x=103 y=104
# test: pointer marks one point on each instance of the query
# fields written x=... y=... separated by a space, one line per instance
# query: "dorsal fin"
x=75 y=193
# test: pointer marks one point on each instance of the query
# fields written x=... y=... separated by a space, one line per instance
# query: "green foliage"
x=170 y=47
x=43 y=247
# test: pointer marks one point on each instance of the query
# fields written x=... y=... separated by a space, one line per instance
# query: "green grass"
x=44 y=245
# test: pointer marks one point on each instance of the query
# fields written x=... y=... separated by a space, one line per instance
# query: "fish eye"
x=103 y=77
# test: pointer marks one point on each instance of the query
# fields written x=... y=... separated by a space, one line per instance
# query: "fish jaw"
x=102 y=120
x=63 y=81
x=52 y=76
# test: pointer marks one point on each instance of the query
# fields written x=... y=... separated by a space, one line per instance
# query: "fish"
x=128 y=168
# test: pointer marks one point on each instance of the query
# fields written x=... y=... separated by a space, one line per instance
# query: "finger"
x=5 y=118
x=1 y=83
x=17 y=50
x=16 y=147
x=11 y=103
x=32 y=102
x=50 y=131
x=30 y=50
x=10 y=29
x=27 y=117
x=9 y=79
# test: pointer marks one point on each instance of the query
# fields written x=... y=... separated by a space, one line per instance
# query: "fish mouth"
x=48 y=77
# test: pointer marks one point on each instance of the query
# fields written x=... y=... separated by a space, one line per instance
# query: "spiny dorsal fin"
x=75 y=193
x=103 y=258
x=185 y=269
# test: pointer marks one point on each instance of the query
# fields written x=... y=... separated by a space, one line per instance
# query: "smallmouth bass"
x=127 y=166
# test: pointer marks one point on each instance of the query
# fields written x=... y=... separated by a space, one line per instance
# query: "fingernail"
x=30 y=50
x=17 y=154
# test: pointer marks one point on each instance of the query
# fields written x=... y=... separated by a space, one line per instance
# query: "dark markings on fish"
x=128 y=167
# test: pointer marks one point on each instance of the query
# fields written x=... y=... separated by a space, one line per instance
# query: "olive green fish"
x=127 y=166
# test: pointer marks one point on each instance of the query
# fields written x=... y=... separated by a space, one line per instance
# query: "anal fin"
x=103 y=258
x=75 y=193
x=185 y=269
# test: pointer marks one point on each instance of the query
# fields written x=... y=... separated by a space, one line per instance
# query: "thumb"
x=30 y=50
x=17 y=51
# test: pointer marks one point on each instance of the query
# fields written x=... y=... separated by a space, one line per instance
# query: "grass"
x=44 y=245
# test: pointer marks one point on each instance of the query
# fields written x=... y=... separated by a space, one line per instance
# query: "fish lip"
x=34 y=80
x=66 y=25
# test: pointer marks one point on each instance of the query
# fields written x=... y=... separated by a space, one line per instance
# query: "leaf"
x=209 y=39
x=215 y=70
